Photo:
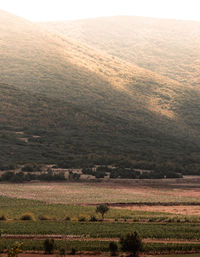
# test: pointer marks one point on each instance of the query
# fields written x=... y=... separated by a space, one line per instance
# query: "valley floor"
x=164 y=212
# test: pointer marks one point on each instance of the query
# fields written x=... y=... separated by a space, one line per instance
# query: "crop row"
x=14 y=208
x=98 y=246
x=103 y=229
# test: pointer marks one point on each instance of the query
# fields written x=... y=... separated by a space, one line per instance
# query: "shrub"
x=113 y=248
x=131 y=243
x=49 y=246
x=3 y=217
x=44 y=217
x=93 y=218
x=27 y=216
x=67 y=218
x=73 y=251
x=62 y=252
x=82 y=219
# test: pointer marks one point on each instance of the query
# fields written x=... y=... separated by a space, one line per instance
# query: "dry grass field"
x=179 y=191
x=184 y=210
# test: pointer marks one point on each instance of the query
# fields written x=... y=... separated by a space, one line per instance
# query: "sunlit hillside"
x=168 y=47
x=63 y=100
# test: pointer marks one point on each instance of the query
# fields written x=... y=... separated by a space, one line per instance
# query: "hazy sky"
x=41 y=10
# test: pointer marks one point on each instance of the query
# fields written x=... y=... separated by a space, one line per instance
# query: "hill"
x=63 y=101
x=168 y=47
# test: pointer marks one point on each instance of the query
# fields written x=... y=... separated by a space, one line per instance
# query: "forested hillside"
x=64 y=101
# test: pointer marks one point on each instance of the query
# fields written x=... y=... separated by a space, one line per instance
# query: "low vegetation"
x=27 y=216
x=142 y=41
x=68 y=221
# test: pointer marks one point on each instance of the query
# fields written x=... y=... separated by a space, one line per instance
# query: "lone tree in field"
x=131 y=243
x=102 y=209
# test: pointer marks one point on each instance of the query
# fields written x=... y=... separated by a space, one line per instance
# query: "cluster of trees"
x=131 y=173
x=32 y=167
x=19 y=177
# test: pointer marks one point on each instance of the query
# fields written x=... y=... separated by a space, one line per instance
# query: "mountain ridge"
x=169 y=47
x=85 y=105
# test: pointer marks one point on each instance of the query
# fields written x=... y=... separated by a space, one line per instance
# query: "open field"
x=14 y=208
x=135 y=205
x=180 y=209
x=179 y=191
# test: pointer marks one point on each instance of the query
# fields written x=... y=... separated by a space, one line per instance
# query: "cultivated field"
x=164 y=212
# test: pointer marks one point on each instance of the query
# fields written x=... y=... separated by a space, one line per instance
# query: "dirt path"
x=83 y=238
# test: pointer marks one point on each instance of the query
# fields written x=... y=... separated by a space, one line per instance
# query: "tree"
x=49 y=246
x=113 y=248
x=102 y=209
x=131 y=243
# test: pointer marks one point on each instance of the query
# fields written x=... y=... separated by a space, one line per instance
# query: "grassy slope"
x=84 y=102
x=168 y=47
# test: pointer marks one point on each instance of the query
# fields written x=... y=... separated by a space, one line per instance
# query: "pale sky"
x=47 y=10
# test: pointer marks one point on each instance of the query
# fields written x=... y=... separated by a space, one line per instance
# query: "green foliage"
x=131 y=243
x=93 y=218
x=190 y=231
x=31 y=167
x=102 y=209
x=113 y=247
x=62 y=252
x=103 y=246
x=73 y=251
x=49 y=246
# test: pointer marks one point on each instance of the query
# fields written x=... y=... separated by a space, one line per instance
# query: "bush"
x=73 y=251
x=67 y=218
x=49 y=246
x=93 y=218
x=44 y=217
x=82 y=219
x=62 y=252
x=131 y=243
x=3 y=217
x=27 y=216
x=113 y=248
